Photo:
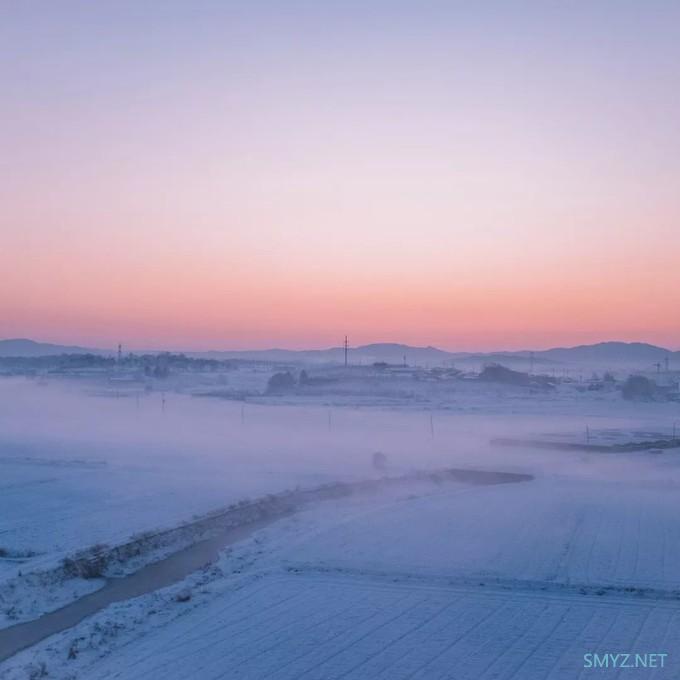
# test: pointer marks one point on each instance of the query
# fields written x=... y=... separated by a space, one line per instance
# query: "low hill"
x=609 y=351
x=22 y=347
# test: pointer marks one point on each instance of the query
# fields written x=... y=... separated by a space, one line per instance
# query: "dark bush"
x=281 y=382
x=501 y=374
x=639 y=388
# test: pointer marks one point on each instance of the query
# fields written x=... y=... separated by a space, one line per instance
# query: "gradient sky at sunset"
x=213 y=175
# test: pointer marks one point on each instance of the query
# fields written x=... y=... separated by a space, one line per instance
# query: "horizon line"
x=138 y=350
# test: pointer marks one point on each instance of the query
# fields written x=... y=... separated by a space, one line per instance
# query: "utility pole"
x=120 y=352
x=346 y=348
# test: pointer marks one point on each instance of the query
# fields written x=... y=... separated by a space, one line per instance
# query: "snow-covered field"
x=548 y=531
x=437 y=581
x=508 y=581
x=332 y=627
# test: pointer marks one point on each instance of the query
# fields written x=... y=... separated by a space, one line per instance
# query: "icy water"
x=148 y=579
x=177 y=566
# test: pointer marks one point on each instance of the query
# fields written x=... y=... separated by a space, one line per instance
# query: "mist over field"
x=509 y=481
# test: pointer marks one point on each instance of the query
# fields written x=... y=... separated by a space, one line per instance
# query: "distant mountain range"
x=391 y=353
x=22 y=347
x=603 y=354
x=641 y=356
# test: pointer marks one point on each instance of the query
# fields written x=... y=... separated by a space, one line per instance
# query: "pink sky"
x=256 y=179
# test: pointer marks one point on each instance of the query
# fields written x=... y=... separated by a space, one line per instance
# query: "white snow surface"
x=451 y=581
x=506 y=581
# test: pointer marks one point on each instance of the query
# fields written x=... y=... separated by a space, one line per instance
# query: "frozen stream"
x=180 y=564
x=149 y=578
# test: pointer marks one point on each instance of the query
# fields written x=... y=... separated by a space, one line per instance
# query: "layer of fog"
x=79 y=468
x=62 y=421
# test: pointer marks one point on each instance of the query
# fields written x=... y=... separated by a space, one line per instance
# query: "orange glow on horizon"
x=452 y=180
